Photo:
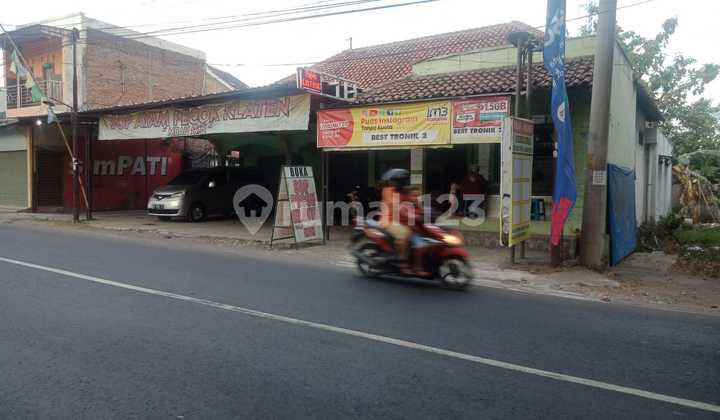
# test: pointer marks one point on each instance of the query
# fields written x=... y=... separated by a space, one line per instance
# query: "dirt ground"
x=644 y=279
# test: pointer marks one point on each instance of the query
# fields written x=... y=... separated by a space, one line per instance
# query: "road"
x=98 y=327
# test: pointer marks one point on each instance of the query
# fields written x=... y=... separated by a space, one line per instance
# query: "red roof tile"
x=371 y=66
x=578 y=72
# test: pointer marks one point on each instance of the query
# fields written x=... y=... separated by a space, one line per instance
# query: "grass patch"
x=707 y=237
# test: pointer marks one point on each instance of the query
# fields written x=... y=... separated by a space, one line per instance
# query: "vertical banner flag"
x=564 y=191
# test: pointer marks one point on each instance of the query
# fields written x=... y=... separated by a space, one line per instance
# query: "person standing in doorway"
x=474 y=186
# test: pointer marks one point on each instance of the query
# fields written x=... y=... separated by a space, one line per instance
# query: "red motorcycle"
x=445 y=261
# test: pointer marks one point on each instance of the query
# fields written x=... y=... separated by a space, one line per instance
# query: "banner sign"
x=239 y=116
x=297 y=215
x=565 y=188
x=479 y=120
x=516 y=181
x=386 y=126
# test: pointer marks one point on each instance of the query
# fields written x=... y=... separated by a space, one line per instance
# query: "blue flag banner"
x=565 y=189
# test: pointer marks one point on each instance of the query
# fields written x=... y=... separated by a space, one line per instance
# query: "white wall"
x=622 y=135
x=663 y=188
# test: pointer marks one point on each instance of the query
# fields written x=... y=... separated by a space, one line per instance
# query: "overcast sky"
x=252 y=49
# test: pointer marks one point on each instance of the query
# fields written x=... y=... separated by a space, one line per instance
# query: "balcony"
x=18 y=95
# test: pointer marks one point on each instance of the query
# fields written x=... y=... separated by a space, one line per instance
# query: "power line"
x=199 y=28
x=270 y=13
x=406 y=52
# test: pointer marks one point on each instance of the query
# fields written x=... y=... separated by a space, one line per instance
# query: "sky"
x=251 y=53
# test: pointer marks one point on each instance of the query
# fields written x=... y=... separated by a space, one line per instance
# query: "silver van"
x=199 y=193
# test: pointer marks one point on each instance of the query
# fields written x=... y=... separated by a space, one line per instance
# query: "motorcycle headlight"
x=452 y=239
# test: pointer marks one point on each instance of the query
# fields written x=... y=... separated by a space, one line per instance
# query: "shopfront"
x=139 y=149
x=437 y=141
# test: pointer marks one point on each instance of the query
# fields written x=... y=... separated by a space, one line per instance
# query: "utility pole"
x=74 y=123
x=592 y=241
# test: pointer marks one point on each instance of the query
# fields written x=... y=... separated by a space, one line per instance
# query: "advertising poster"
x=298 y=210
x=516 y=181
x=239 y=116
x=387 y=126
x=479 y=120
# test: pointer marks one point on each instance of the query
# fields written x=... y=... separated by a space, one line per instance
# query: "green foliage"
x=702 y=237
x=660 y=236
x=704 y=162
x=671 y=221
x=691 y=124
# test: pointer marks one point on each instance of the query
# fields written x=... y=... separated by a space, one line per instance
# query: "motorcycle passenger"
x=394 y=194
x=412 y=214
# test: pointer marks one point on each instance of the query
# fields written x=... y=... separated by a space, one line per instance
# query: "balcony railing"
x=52 y=88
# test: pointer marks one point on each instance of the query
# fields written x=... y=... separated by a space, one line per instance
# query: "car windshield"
x=189 y=178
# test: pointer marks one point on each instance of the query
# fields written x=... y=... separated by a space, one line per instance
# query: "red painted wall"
x=125 y=172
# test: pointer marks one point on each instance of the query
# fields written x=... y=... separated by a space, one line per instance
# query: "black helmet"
x=397 y=177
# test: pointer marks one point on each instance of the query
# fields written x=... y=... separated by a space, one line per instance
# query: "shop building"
x=112 y=70
x=450 y=79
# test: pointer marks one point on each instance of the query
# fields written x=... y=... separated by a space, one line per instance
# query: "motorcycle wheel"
x=455 y=273
x=370 y=251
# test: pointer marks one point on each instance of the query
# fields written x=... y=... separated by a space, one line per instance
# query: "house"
x=479 y=63
x=115 y=66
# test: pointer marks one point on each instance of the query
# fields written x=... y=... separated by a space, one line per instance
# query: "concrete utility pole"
x=592 y=241
x=74 y=123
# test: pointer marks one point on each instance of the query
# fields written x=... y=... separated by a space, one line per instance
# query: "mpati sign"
x=239 y=116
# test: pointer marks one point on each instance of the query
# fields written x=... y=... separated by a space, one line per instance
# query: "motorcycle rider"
x=394 y=194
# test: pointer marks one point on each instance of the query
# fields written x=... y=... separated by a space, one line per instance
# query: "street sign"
x=516 y=180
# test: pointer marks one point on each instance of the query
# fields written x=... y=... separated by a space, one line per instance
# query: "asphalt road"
x=131 y=330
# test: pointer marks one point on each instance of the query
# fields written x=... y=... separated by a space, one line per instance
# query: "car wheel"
x=196 y=213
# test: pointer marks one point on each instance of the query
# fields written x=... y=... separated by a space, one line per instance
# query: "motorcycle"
x=446 y=261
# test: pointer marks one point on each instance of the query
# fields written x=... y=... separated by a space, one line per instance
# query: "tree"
x=691 y=124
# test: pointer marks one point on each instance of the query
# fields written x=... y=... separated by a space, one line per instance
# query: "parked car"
x=200 y=193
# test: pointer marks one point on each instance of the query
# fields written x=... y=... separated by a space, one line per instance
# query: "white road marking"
x=382 y=339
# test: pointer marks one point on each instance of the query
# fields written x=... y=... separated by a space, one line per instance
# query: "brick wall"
x=123 y=71
x=212 y=85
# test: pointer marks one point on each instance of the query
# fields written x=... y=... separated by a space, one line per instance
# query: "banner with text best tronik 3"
x=479 y=120
x=238 y=116
x=386 y=126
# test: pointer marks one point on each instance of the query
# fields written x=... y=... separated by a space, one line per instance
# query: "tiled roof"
x=228 y=78
x=371 y=66
x=578 y=72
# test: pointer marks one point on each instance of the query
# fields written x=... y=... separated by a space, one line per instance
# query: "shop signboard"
x=479 y=120
x=309 y=80
x=237 y=116
x=385 y=126
x=297 y=215
x=325 y=84
x=516 y=180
